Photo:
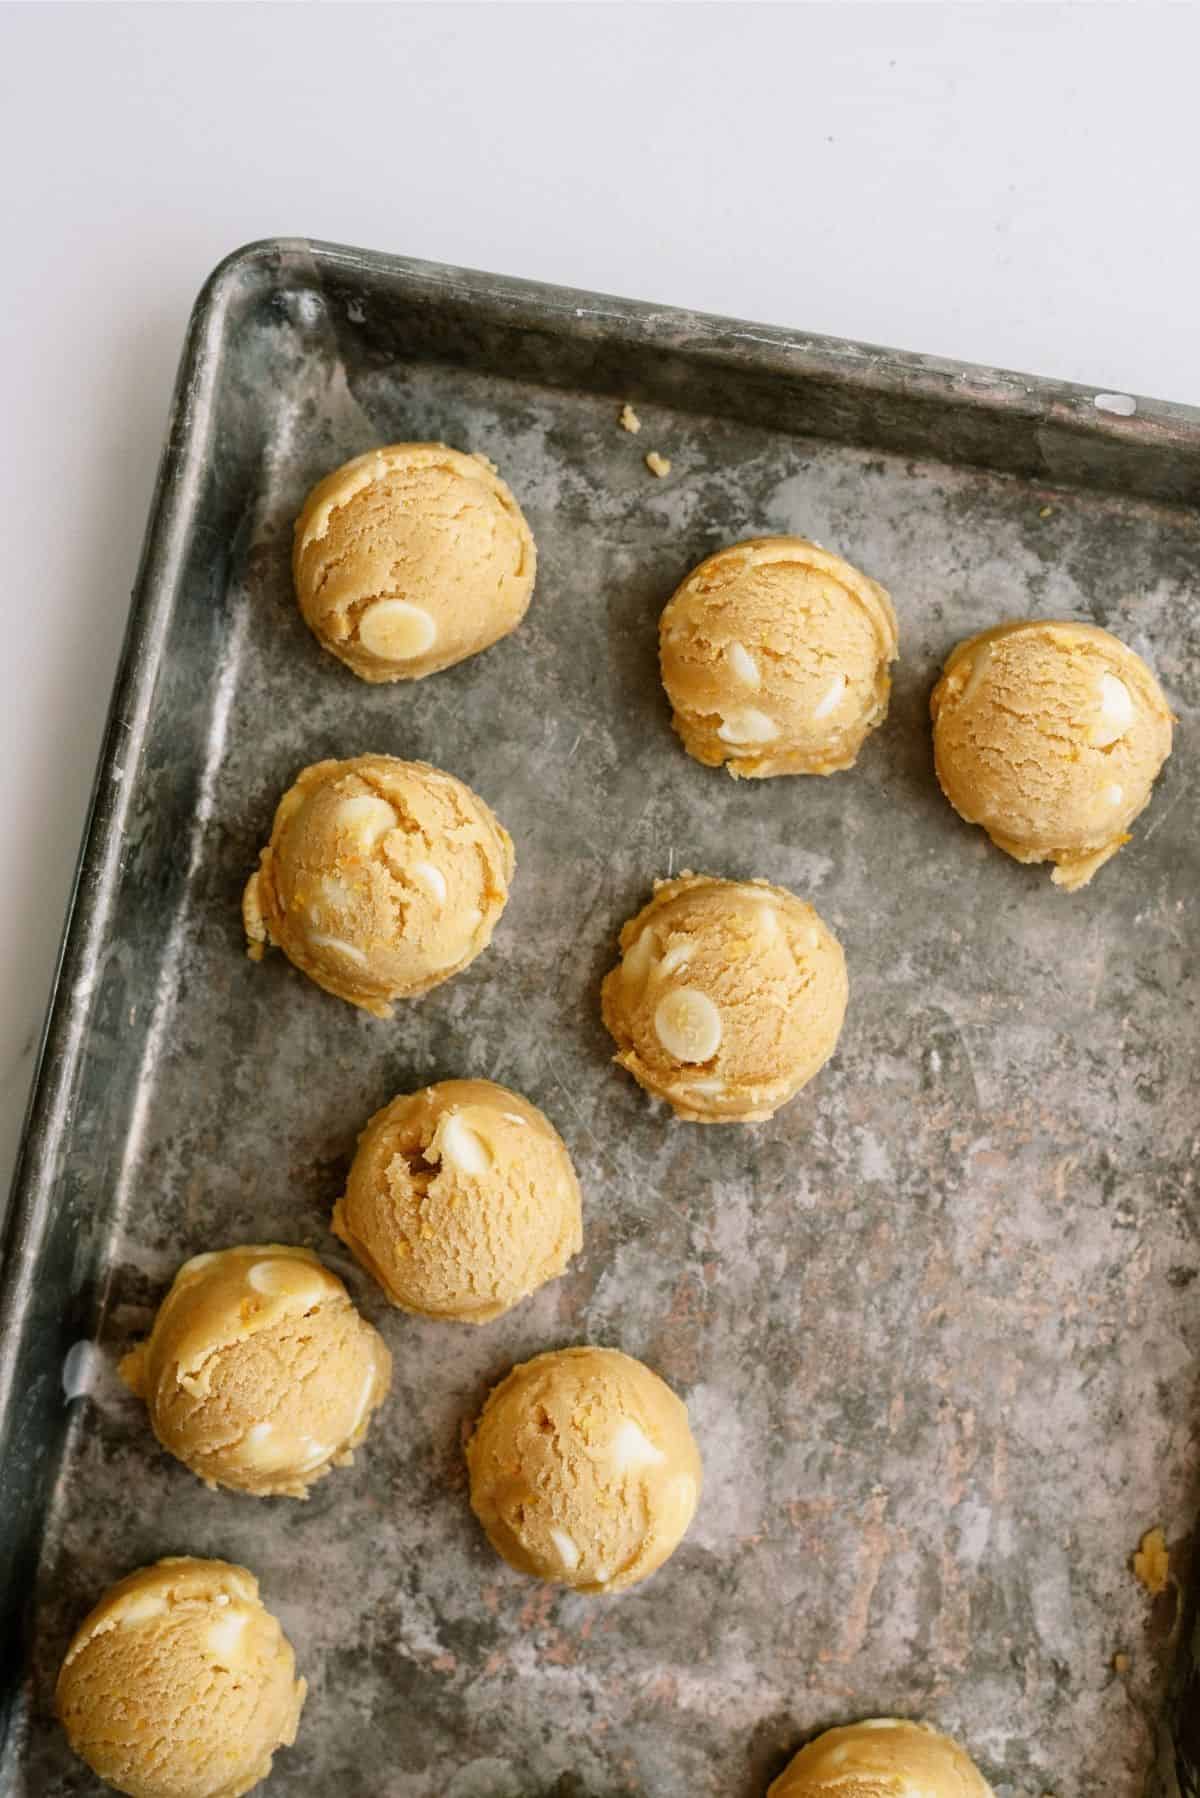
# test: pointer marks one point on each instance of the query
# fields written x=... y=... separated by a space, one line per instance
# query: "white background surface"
x=1014 y=184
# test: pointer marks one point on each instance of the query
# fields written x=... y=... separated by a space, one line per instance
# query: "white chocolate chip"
x=1114 y=794
x=688 y=1025
x=981 y=661
x=140 y=1610
x=319 y=940
x=603 y=1575
x=258 y=1448
x=433 y=878
x=675 y=958
x=832 y=697
x=366 y=817
x=224 y=1637
x=511 y=1117
x=1116 y=711
x=631 y=1448
x=269 y=1276
x=465 y=926
x=316 y=1453
x=880 y=1723
x=747 y=726
x=744 y=666
x=289 y=1275
x=638 y=958
x=706 y=1086
x=395 y=630
x=263 y=1449
x=463 y=1147
x=568 y=1551
x=335 y=893
x=768 y=921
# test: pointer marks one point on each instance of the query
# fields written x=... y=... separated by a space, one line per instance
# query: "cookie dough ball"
x=882 y=1758
x=584 y=1470
x=180 y=1684
x=382 y=879
x=461 y=1201
x=1050 y=736
x=775 y=658
x=410 y=558
x=728 y=998
x=259 y=1373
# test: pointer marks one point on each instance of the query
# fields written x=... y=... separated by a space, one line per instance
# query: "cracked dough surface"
x=728 y=997
x=259 y=1374
x=382 y=878
x=180 y=1683
x=1050 y=735
x=883 y=1757
x=775 y=658
x=584 y=1470
x=461 y=1200
x=410 y=558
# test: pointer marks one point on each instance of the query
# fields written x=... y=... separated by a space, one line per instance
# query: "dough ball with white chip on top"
x=1050 y=735
x=728 y=997
x=180 y=1683
x=259 y=1374
x=584 y=1470
x=883 y=1757
x=410 y=558
x=775 y=658
x=382 y=878
x=461 y=1200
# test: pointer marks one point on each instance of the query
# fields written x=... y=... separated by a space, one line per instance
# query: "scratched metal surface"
x=935 y=1323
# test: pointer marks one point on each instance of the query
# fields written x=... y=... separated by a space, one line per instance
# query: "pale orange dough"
x=180 y=1683
x=1050 y=735
x=461 y=1201
x=728 y=997
x=884 y=1757
x=259 y=1374
x=584 y=1470
x=382 y=878
x=775 y=658
x=410 y=558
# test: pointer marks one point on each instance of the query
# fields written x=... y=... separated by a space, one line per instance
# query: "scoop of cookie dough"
x=410 y=558
x=259 y=1373
x=775 y=658
x=728 y=998
x=180 y=1684
x=584 y=1470
x=461 y=1200
x=881 y=1758
x=382 y=879
x=1050 y=736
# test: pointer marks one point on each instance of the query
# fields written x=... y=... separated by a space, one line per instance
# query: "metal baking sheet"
x=936 y=1322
